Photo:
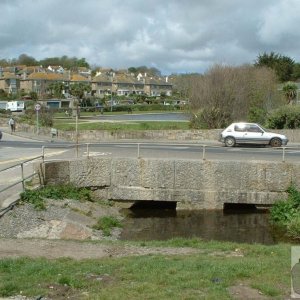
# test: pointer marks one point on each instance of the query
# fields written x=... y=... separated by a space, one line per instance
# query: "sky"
x=174 y=36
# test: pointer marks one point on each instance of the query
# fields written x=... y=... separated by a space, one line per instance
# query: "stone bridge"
x=191 y=184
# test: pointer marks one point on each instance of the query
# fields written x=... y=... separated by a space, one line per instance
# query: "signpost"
x=37 y=107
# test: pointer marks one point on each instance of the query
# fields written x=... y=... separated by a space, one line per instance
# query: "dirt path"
x=53 y=249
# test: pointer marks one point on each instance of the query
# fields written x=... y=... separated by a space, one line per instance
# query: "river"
x=235 y=226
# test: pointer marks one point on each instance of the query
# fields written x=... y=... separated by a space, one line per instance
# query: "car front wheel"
x=229 y=141
x=276 y=142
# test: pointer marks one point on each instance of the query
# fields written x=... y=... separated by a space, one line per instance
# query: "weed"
x=106 y=223
x=58 y=192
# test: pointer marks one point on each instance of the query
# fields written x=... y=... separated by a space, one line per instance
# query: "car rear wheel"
x=229 y=141
x=276 y=142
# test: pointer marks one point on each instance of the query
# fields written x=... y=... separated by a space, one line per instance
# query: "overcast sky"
x=175 y=36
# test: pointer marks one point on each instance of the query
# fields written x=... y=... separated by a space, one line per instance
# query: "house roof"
x=8 y=75
x=102 y=78
x=78 y=77
x=47 y=76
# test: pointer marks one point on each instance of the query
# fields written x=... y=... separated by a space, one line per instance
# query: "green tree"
x=290 y=91
x=56 y=89
x=282 y=65
x=296 y=71
x=24 y=59
x=79 y=89
x=33 y=96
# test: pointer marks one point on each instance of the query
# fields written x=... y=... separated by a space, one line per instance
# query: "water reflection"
x=237 y=226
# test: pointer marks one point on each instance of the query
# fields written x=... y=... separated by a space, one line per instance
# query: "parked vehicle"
x=251 y=133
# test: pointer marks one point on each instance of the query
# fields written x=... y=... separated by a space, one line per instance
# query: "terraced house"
x=121 y=82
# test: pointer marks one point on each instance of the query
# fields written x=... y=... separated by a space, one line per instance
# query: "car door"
x=239 y=133
x=254 y=135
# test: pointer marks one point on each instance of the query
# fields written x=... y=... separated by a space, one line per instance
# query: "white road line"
x=96 y=153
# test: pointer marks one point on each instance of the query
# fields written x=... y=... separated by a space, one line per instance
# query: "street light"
x=111 y=100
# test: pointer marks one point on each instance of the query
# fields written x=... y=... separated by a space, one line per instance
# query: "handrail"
x=22 y=180
x=23 y=162
x=204 y=146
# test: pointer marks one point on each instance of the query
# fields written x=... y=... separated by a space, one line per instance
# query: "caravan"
x=15 y=106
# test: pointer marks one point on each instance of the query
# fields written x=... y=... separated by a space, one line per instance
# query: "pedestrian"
x=12 y=124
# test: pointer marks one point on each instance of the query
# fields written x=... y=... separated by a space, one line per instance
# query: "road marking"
x=96 y=153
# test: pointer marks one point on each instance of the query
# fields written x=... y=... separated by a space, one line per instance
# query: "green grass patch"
x=57 y=192
x=106 y=224
x=70 y=125
x=205 y=275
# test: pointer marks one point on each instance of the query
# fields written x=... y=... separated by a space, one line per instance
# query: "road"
x=16 y=149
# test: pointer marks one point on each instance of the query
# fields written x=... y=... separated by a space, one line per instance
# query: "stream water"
x=233 y=225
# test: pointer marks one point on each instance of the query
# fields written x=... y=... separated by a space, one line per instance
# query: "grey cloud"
x=173 y=35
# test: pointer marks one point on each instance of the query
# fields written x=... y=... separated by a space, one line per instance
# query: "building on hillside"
x=102 y=85
x=39 y=82
x=106 y=82
x=9 y=82
x=56 y=69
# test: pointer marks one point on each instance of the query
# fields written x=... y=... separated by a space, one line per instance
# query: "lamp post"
x=111 y=99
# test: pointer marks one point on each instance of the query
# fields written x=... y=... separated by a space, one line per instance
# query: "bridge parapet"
x=191 y=183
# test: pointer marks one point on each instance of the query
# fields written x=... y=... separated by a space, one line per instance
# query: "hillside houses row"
x=37 y=79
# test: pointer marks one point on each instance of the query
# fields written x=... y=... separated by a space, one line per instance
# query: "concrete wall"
x=191 y=183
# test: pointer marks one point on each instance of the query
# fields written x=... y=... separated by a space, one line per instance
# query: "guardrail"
x=139 y=146
x=22 y=180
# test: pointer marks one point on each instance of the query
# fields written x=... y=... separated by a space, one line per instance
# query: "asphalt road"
x=17 y=149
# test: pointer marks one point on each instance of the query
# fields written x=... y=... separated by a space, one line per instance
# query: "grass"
x=106 y=224
x=56 y=192
x=205 y=275
x=70 y=125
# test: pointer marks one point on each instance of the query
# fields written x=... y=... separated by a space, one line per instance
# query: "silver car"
x=251 y=133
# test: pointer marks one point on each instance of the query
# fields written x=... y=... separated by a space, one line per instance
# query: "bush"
x=287 y=116
x=210 y=118
x=286 y=213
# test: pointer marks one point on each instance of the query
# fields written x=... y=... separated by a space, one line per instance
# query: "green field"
x=205 y=275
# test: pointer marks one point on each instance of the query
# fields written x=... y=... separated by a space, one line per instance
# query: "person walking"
x=12 y=124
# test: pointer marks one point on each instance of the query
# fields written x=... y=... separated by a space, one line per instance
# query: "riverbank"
x=39 y=257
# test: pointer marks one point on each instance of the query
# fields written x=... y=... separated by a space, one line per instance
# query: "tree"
x=283 y=65
x=24 y=59
x=79 y=89
x=33 y=96
x=56 y=89
x=296 y=71
x=225 y=94
x=290 y=91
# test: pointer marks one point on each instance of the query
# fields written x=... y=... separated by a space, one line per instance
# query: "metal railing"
x=203 y=148
x=22 y=181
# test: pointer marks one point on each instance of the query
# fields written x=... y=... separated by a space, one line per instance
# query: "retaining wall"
x=191 y=183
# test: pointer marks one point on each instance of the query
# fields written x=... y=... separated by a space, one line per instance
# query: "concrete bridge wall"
x=191 y=183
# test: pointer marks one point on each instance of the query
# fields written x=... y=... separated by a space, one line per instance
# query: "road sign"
x=37 y=107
